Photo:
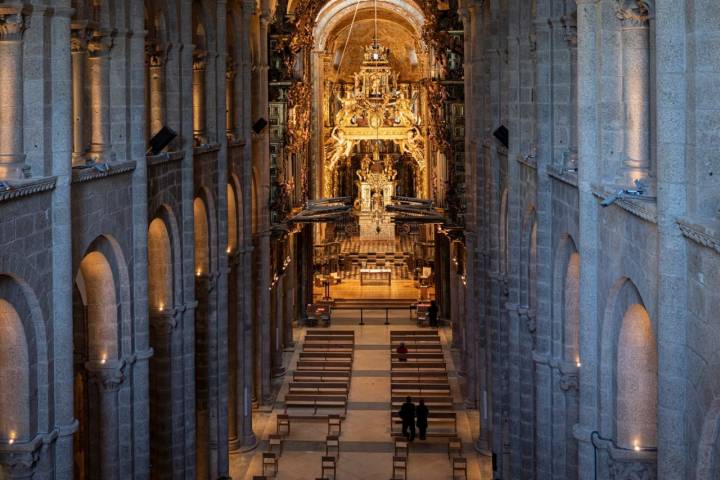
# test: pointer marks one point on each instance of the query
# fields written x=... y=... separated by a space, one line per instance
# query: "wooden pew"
x=329 y=366
x=315 y=403
x=415 y=356
x=322 y=331
x=316 y=337
x=420 y=347
x=328 y=347
x=420 y=389
x=435 y=420
x=419 y=366
x=415 y=341
x=319 y=388
x=418 y=377
x=434 y=404
x=320 y=376
x=326 y=356
x=416 y=333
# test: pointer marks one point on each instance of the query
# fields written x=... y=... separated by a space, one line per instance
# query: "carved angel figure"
x=337 y=147
x=412 y=145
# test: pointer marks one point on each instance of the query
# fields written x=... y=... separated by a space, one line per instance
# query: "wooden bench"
x=328 y=366
x=420 y=347
x=418 y=366
x=322 y=331
x=435 y=419
x=328 y=347
x=319 y=388
x=420 y=389
x=408 y=340
x=415 y=356
x=320 y=376
x=418 y=377
x=442 y=403
x=315 y=403
x=334 y=356
x=329 y=338
x=416 y=333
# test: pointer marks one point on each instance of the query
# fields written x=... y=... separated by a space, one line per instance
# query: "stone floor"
x=366 y=445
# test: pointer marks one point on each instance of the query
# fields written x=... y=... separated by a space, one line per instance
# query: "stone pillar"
x=12 y=155
x=78 y=54
x=230 y=100
x=245 y=428
x=278 y=327
x=198 y=93
x=569 y=24
x=156 y=86
x=234 y=349
x=98 y=89
x=588 y=244
x=636 y=90
x=107 y=379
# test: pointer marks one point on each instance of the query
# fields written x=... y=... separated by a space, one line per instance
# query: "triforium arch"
x=629 y=377
x=23 y=371
x=102 y=346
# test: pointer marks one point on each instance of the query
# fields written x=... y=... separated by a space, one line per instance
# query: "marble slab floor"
x=366 y=448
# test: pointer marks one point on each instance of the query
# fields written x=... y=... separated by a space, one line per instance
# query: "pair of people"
x=409 y=413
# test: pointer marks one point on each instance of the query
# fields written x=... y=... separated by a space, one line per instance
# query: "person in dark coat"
x=433 y=314
x=407 y=414
x=402 y=352
x=421 y=413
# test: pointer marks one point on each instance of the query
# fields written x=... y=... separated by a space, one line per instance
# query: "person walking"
x=402 y=352
x=421 y=413
x=433 y=314
x=407 y=415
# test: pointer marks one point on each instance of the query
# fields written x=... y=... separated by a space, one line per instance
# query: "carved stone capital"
x=110 y=375
x=569 y=25
x=157 y=54
x=164 y=323
x=79 y=40
x=634 y=12
x=20 y=462
x=568 y=381
x=622 y=470
x=199 y=60
x=12 y=24
x=100 y=44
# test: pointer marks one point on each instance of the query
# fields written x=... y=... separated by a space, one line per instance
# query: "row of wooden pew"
x=422 y=374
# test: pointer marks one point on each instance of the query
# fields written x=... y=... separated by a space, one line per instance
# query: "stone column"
x=569 y=24
x=245 y=428
x=198 y=90
x=107 y=378
x=588 y=245
x=230 y=100
x=12 y=155
x=98 y=89
x=156 y=85
x=78 y=54
x=635 y=33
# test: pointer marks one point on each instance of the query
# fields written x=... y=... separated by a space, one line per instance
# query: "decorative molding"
x=569 y=25
x=206 y=148
x=85 y=174
x=110 y=375
x=568 y=381
x=563 y=175
x=165 y=157
x=199 y=58
x=23 y=188
x=634 y=12
x=157 y=53
x=704 y=236
x=636 y=207
x=633 y=470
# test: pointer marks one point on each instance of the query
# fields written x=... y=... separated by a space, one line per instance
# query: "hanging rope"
x=347 y=39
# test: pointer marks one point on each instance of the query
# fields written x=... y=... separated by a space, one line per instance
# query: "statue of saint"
x=377 y=201
x=390 y=172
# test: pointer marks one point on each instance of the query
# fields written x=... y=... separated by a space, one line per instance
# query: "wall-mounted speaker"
x=161 y=139
x=501 y=133
x=259 y=125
